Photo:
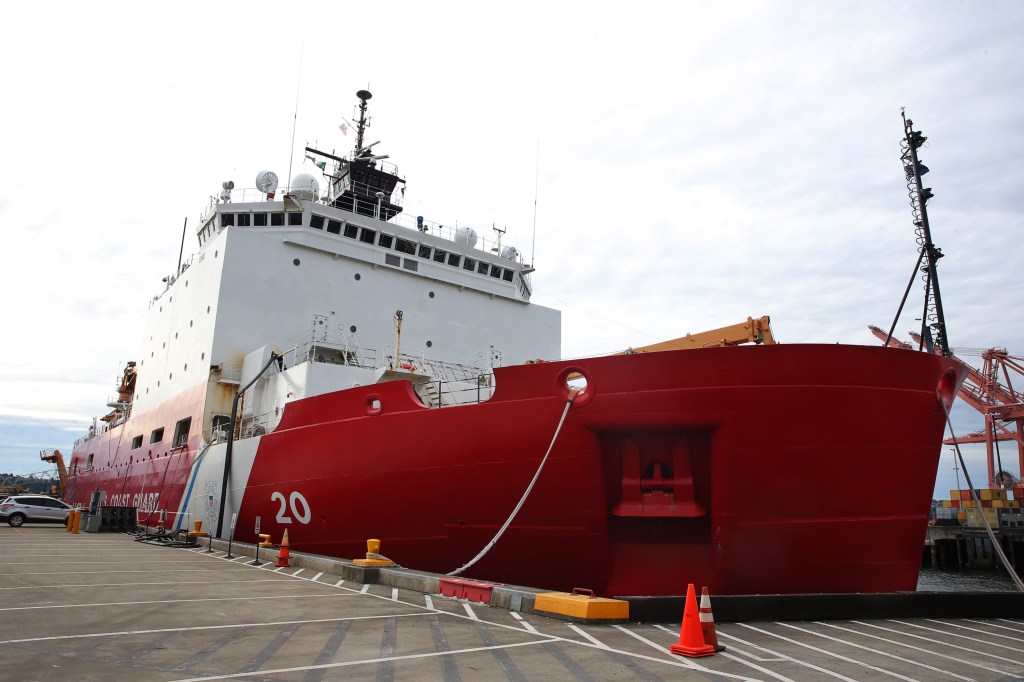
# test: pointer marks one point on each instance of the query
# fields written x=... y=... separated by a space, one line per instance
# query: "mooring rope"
x=568 y=403
x=974 y=496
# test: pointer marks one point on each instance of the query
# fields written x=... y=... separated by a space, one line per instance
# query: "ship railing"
x=453 y=393
x=453 y=233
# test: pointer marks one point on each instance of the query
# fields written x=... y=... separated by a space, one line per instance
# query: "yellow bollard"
x=78 y=520
x=71 y=517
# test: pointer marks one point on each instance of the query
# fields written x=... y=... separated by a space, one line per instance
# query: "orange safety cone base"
x=692 y=652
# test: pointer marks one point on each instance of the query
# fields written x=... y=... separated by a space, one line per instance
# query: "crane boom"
x=752 y=331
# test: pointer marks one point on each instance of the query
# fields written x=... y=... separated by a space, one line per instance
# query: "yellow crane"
x=54 y=457
x=757 y=330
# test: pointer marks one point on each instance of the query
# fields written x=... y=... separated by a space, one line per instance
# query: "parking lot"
x=104 y=607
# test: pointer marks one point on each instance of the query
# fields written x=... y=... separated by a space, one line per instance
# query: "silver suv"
x=17 y=509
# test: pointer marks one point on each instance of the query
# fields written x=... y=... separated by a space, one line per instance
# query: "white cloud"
x=698 y=164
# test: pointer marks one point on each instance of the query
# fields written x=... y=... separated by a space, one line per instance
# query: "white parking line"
x=945 y=645
x=596 y=642
x=470 y=612
x=977 y=630
x=365 y=588
x=972 y=639
x=826 y=652
x=168 y=601
x=672 y=658
x=428 y=601
x=886 y=654
x=830 y=673
x=904 y=645
x=317 y=576
x=394 y=594
x=524 y=622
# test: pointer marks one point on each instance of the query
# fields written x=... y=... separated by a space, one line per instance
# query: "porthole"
x=175 y=335
x=164 y=345
x=171 y=300
x=352 y=329
x=358 y=277
x=158 y=384
x=170 y=376
x=203 y=356
x=215 y=253
x=296 y=262
x=207 y=310
x=430 y=344
x=431 y=294
x=186 y=367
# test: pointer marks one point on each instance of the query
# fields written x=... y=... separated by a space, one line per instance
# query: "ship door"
x=319 y=327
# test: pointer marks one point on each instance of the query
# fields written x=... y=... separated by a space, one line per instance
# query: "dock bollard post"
x=78 y=520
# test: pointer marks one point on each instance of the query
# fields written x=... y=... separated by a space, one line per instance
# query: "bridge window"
x=259 y=219
x=453 y=259
x=334 y=227
x=277 y=219
x=295 y=218
x=410 y=264
x=495 y=271
x=157 y=435
x=482 y=269
x=386 y=240
x=316 y=222
x=367 y=236
x=227 y=219
x=405 y=246
x=392 y=259
x=243 y=219
x=440 y=256
x=351 y=231
x=507 y=275
x=424 y=251
x=469 y=264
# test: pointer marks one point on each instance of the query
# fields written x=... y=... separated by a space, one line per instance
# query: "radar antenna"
x=364 y=96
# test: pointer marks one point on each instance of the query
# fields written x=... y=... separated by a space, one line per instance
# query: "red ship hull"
x=775 y=469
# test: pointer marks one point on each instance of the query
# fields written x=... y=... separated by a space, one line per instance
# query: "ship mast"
x=928 y=254
x=364 y=96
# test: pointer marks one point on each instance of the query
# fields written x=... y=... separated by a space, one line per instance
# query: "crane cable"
x=974 y=496
x=573 y=392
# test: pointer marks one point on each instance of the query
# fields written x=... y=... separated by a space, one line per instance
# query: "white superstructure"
x=346 y=296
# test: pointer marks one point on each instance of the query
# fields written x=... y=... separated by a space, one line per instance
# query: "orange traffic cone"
x=282 y=556
x=707 y=621
x=691 y=641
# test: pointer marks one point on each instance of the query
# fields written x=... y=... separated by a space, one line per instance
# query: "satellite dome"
x=305 y=186
x=465 y=236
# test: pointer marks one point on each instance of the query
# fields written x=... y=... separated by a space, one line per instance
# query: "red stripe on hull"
x=151 y=477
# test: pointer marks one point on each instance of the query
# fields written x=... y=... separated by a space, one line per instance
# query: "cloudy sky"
x=698 y=163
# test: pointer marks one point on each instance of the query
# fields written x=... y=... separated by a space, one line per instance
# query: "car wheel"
x=16 y=520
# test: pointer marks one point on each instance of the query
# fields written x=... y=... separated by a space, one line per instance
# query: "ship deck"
x=101 y=606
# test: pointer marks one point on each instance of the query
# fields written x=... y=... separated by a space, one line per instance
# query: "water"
x=934 y=580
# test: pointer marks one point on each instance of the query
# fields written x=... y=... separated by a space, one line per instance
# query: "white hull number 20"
x=298 y=504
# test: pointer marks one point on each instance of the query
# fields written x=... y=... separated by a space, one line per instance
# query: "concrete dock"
x=104 y=607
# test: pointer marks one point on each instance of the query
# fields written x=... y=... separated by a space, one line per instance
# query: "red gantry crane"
x=991 y=392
